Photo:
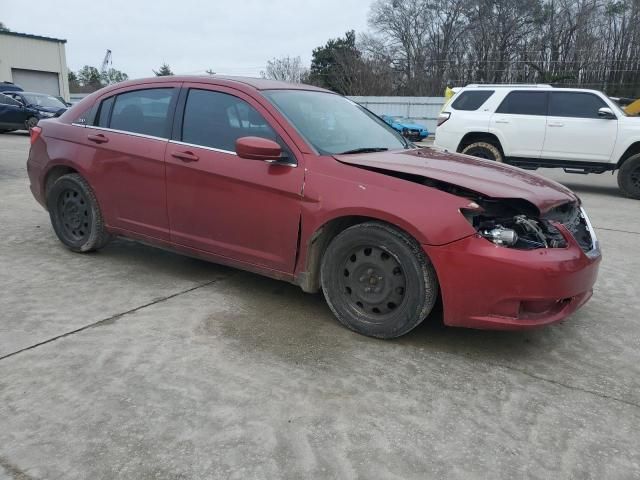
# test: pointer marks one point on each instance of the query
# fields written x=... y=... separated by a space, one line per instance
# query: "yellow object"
x=448 y=93
x=633 y=108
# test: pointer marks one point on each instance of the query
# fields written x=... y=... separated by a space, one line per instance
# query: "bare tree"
x=286 y=69
x=416 y=47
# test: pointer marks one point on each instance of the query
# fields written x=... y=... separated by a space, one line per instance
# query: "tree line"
x=417 y=47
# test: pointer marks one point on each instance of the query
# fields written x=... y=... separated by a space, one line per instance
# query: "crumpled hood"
x=486 y=177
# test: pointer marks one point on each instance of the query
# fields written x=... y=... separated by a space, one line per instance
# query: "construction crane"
x=106 y=62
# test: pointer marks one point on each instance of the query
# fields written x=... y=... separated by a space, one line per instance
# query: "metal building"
x=37 y=64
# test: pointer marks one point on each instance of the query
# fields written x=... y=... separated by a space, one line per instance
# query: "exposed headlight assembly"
x=504 y=227
x=47 y=114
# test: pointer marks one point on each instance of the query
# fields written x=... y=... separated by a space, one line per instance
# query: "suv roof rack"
x=511 y=85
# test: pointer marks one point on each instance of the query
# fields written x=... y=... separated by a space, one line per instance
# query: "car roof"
x=228 y=80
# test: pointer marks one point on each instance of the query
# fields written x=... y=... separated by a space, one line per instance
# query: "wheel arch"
x=473 y=137
x=308 y=277
x=633 y=149
x=54 y=173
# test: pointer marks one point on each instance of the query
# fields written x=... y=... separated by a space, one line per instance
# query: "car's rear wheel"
x=629 y=177
x=75 y=214
x=378 y=281
x=30 y=123
x=485 y=150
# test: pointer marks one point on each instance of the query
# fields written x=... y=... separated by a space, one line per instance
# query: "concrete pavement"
x=137 y=363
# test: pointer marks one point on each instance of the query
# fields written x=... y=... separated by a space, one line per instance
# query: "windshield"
x=334 y=124
x=40 y=100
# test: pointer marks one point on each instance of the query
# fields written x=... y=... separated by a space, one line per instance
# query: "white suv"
x=532 y=126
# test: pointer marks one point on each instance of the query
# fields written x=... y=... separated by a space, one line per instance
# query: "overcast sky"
x=230 y=37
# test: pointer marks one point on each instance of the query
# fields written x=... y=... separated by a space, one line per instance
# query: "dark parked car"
x=36 y=106
x=300 y=184
x=10 y=87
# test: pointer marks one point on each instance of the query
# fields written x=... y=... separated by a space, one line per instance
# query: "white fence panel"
x=421 y=110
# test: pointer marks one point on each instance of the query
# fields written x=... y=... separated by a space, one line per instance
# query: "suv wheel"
x=75 y=214
x=378 y=281
x=629 y=177
x=485 y=150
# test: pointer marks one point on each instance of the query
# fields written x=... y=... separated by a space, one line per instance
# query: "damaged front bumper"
x=488 y=286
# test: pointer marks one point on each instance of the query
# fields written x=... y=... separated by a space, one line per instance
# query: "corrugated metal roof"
x=29 y=35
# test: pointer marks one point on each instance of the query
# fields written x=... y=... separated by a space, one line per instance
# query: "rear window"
x=524 y=103
x=471 y=99
x=142 y=111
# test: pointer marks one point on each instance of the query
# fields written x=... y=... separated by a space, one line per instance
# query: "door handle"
x=99 y=138
x=185 y=156
x=556 y=124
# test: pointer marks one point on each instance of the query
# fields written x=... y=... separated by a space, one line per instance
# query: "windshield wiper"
x=365 y=150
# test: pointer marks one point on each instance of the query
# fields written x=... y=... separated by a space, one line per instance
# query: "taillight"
x=443 y=117
x=34 y=134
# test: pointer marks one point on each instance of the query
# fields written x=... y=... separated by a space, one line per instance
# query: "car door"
x=12 y=113
x=575 y=131
x=126 y=145
x=520 y=123
x=244 y=210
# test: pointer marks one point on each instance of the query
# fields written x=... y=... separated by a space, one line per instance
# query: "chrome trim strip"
x=133 y=134
x=271 y=162
x=202 y=146
x=595 y=245
x=83 y=125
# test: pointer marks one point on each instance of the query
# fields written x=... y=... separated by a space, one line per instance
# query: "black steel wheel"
x=373 y=280
x=629 y=177
x=75 y=214
x=378 y=281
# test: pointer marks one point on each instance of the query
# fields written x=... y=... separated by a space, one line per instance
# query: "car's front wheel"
x=629 y=177
x=75 y=214
x=485 y=150
x=377 y=280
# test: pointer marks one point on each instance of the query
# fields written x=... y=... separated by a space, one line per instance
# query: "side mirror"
x=606 y=113
x=257 y=148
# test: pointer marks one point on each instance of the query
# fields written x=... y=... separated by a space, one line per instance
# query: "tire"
x=30 y=122
x=75 y=214
x=485 y=150
x=629 y=177
x=378 y=281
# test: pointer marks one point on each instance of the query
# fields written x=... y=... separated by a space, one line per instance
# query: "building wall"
x=420 y=110
x=33 y=54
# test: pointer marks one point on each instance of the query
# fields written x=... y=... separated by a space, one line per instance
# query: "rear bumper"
x=35 y=170
x=491 y=287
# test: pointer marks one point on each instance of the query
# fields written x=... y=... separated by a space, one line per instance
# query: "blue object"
x=412 y=131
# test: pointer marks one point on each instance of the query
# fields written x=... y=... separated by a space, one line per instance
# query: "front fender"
x=429 y=215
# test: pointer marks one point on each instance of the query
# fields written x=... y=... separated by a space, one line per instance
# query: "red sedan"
x=303 y=185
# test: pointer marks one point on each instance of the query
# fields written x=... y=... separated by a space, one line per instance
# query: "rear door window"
x=142 y=111
x=217 y=120
x=575 y=104
x=471 y=99
x=524 y=103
